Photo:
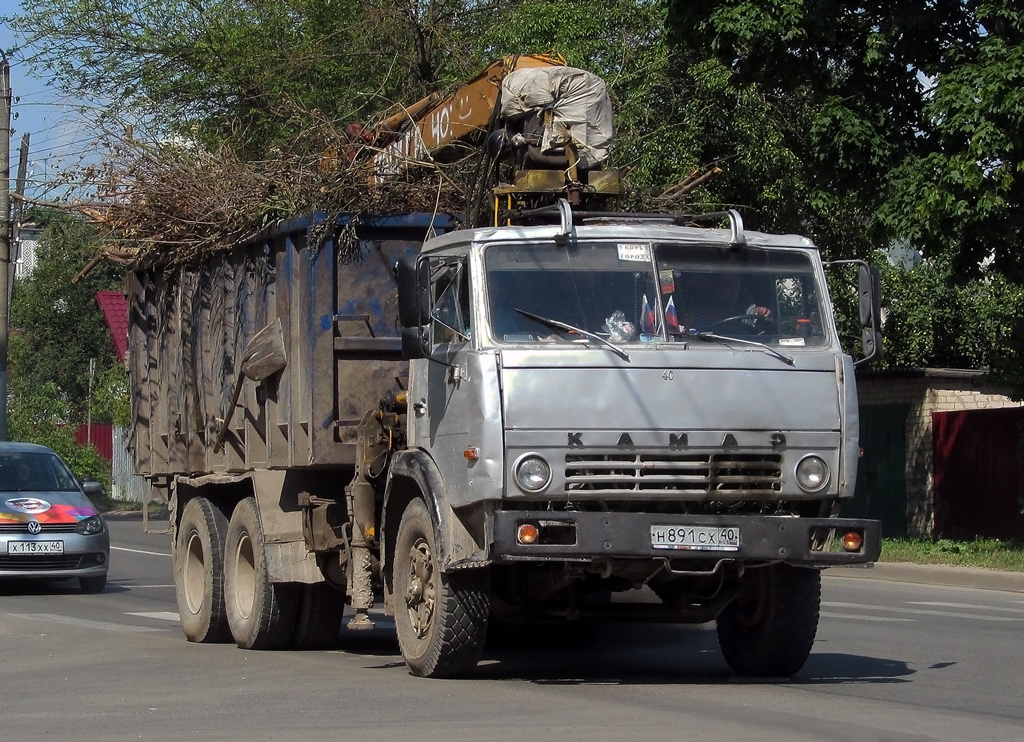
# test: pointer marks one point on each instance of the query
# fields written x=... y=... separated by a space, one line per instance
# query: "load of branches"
x=177 y=202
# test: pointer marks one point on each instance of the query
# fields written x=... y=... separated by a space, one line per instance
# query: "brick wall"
x=927 y=391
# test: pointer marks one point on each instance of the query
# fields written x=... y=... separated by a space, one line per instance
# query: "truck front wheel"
x=261 y=613
x=441 y=618
x=199 y=572
x=768 y=631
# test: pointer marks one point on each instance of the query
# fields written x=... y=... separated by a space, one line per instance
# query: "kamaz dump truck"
x=535 y=423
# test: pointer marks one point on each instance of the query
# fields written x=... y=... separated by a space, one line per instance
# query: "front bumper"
x=83 y=556
x=628 y=536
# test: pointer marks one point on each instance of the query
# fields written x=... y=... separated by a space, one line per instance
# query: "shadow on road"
x=624 y=654
x=36 y=586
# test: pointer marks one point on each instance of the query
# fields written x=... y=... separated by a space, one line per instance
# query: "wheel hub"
x=419 y=595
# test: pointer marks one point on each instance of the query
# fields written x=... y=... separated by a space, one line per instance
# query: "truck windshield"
x=768 y=295
x=595 y=287
x=651 y=292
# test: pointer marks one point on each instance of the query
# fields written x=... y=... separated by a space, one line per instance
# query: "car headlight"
x=90 y=526
x=532 y=473
x=812 y=473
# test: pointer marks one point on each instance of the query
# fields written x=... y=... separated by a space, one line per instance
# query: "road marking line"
x=86 y=623
x=136 y=587
x=854 y=617
x=964 y=605
x=162 y=615
x=919 y=611
x=139 y=551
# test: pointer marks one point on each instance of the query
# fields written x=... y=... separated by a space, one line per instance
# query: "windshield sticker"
x=29 y=505
x=792 y=341
x=637 y=252
x=667 y=279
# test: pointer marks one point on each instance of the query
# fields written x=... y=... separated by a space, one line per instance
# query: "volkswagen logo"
x=34 y=527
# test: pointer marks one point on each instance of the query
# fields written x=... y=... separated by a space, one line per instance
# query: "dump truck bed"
x=332 y=287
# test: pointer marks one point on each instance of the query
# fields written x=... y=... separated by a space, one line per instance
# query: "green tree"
x=58 y=321
x=249 y=72
x=40 y=414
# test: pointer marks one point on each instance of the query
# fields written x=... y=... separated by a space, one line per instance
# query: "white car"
x=49 y=529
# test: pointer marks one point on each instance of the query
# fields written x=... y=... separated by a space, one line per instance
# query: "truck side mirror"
x=413 y=275
x=870 y=294
x=868 y=290
x=415 y=343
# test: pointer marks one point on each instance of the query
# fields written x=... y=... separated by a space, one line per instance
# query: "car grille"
x=43 y=528
x=41 y=561
x=713 y=476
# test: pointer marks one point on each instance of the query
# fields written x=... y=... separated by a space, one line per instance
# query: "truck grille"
x=712 y=476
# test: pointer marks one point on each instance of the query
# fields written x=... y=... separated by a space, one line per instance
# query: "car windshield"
x=34 y=472
x=644 y=292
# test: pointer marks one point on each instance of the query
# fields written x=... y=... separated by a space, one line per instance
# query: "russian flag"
x=650 y=318
x=671 y=318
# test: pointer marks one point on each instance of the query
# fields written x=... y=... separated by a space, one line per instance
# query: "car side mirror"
x=92 y=488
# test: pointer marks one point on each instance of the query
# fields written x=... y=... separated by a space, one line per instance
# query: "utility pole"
x=16 y=211
x=5 y=229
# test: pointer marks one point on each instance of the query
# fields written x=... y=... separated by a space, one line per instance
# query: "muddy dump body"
x=333 y=290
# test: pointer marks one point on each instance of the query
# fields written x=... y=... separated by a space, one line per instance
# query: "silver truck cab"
x=625 y=405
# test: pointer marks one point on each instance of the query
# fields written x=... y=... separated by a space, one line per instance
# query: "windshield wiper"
x=729 y=338
x=569 y=328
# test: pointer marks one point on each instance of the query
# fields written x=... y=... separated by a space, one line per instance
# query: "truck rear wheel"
x=199 y=572
x=441 y=618
x=261 y=614
x=320 y=615
x=768 y=631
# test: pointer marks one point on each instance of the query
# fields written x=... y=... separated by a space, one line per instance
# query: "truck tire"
x=441 y=619
x=261 y=614
x=768 y=631
x=320 y=613
x=199 y=572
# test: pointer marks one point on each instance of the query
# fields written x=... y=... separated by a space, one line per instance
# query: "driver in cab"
x=716 y=304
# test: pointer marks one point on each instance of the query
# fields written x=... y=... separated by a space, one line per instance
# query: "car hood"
x=45 y=507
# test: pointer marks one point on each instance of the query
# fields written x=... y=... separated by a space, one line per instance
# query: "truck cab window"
x=450 y=313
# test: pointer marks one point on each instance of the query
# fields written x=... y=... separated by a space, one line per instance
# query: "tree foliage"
x=858 y=122
x=59 y=323
x=910 y=112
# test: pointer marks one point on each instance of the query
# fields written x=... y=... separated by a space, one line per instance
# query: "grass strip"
x=990 y=553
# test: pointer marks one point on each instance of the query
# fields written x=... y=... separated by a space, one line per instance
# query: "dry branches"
x=175 y=202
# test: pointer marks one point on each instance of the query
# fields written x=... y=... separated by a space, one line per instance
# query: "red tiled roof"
x=115 y=310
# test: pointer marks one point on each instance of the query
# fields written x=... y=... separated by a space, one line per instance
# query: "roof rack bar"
x=735 y=223
x=559 y=209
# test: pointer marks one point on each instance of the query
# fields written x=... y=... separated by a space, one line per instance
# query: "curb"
x=935 y=574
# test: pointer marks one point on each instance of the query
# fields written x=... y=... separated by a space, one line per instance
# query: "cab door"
x=441 y=384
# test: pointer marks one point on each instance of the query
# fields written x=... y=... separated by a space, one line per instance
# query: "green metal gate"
x=881 y=492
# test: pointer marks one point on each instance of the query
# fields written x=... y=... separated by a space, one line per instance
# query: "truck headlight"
x=532 y=473
x=812 y=473
x=90 y=526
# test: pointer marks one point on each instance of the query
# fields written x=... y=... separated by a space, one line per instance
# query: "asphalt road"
x=893 y=662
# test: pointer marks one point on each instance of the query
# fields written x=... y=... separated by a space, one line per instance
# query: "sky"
x=58 y=136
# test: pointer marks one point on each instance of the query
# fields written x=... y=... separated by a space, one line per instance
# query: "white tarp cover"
x=578 y=99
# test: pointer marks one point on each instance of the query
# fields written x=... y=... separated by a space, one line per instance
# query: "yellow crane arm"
x=435 y=122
